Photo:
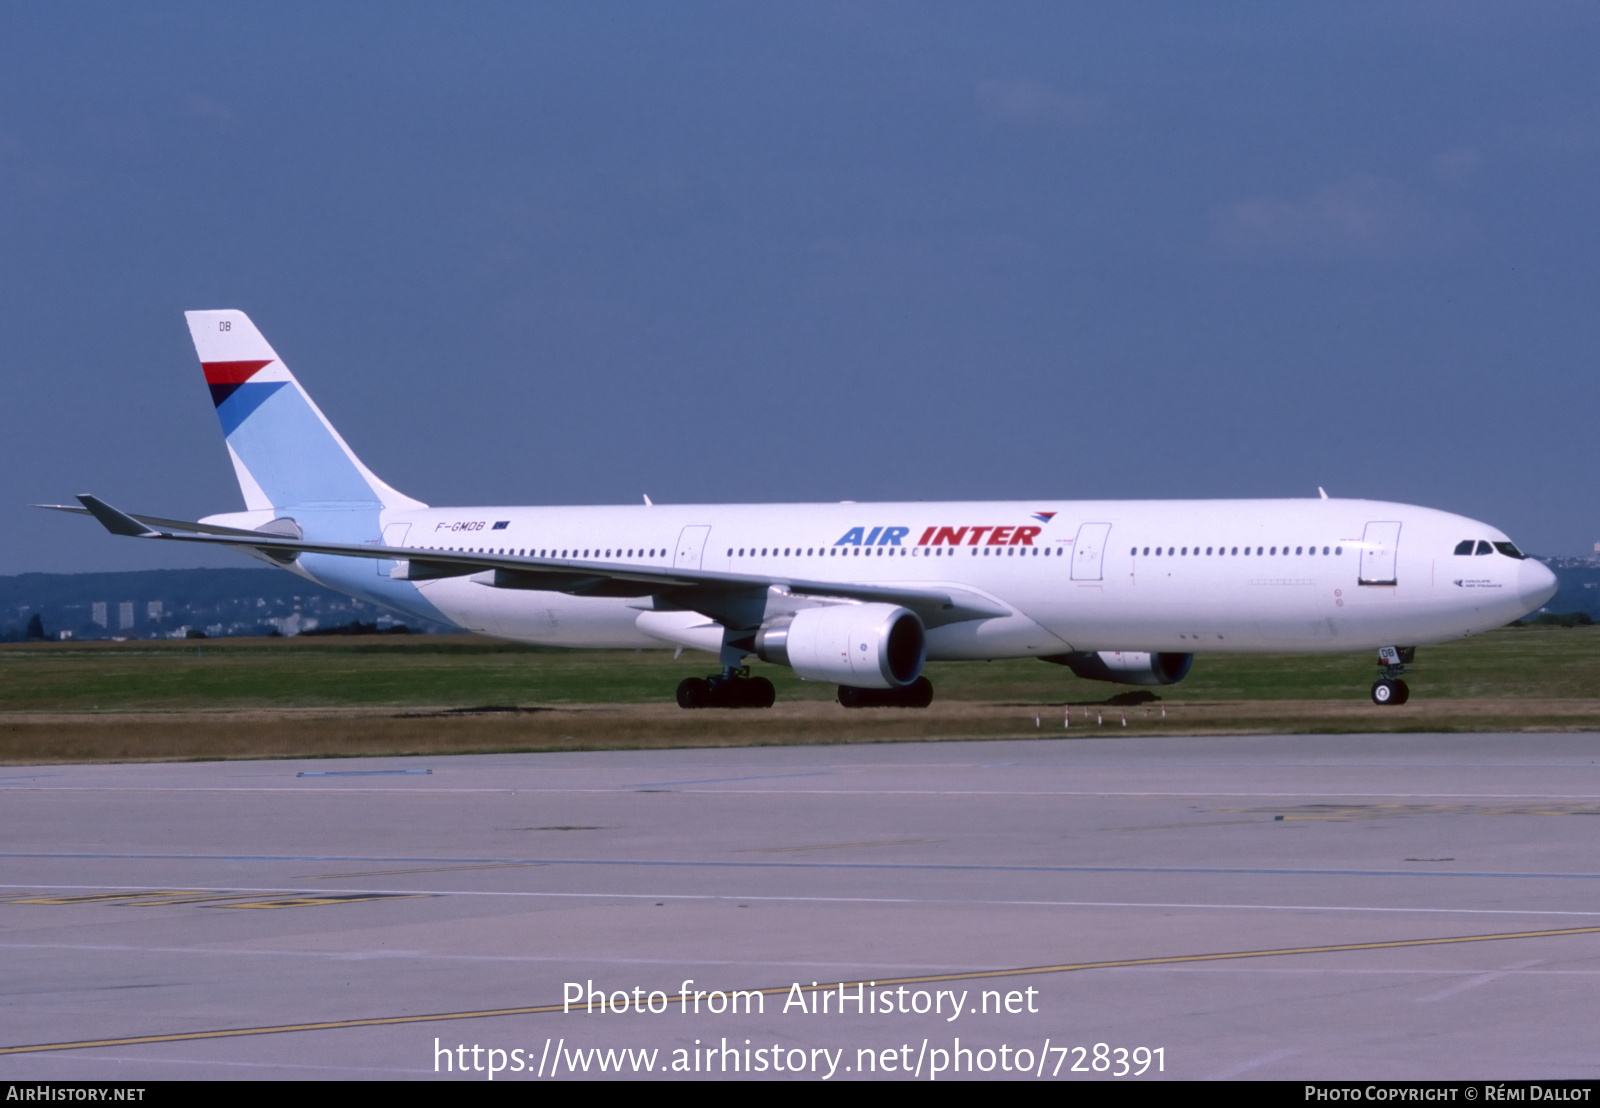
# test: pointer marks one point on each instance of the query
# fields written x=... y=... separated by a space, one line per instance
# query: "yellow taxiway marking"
x=319 y=901
x=780 y=990
x=101 y=898
x=159 y=898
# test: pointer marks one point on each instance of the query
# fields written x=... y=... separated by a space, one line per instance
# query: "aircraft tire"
x=918 y=694
x=759 y=693
x=694 y=692
x=1389 y=692
x=727 y=692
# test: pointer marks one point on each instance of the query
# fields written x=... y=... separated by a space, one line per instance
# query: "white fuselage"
x=1184 y=576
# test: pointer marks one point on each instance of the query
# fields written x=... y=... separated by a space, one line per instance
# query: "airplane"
x=857 y=595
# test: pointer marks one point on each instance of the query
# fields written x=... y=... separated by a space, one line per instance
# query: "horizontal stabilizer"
x=156 y=524
x=114 y=521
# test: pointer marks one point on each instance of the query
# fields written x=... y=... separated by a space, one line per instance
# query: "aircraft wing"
x=671 y=587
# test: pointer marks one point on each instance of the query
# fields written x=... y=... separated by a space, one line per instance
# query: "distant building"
x=99 y=610
x=125 y=615
x=152 y=611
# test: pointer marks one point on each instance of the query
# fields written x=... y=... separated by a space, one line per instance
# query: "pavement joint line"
x=759 y=897
x=939 y=867
x=718 y=780
x=422 y=786
x=780 y=990
x=426 y=869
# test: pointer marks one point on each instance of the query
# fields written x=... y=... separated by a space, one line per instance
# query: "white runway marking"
x=1474 y=982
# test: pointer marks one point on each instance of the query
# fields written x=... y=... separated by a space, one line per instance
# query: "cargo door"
x=1379 y=544
x=1088 y=550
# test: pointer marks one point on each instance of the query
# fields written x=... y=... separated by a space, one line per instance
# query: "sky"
x=568 y=253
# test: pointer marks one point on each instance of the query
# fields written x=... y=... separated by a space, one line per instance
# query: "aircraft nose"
x=1535 y=584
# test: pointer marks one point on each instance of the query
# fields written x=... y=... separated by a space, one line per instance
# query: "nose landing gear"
x=1388 y=688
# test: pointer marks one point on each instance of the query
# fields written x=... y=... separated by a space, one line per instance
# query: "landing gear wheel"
x=918 y=694
x=694 y=692
x=759 y=693
x=726 y=692
x=1390 y=691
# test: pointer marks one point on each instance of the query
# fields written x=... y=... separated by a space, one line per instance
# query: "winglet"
x=118 y=523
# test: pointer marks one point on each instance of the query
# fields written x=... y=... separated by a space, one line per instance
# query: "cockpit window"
x=1464 y=546
x=1509 y=550
x=1484 y=547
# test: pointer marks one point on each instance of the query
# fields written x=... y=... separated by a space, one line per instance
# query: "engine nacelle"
x=869 y=646
x=1126 y=667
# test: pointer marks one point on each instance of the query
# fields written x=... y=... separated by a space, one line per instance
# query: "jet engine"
x=1126 y=667
x=870 y=646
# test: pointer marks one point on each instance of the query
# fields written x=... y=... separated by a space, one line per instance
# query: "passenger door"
x=691 y=546
x=1087 y=551
x=1379 y=545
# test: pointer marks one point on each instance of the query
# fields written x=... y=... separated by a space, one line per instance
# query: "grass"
x=321 y=696
x=1537 y=663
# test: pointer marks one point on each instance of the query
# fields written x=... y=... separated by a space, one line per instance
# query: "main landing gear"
x=733 y=688
x=1392 y=662
x=918 y=694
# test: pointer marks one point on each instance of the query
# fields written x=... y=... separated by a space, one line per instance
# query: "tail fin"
x=285 y=452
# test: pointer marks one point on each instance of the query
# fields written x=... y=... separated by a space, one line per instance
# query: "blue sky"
x=573 y=253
